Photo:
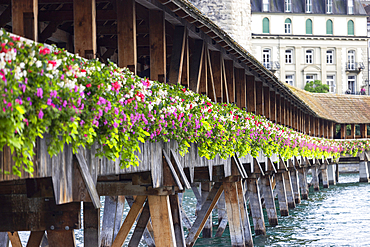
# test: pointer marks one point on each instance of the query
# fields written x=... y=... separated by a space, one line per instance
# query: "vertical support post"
x=157 y=44
x=295 y=184
x=266 y=190
x=112 y=217
x=25 y=18
x=259 y=98
x=207 y=230
x=343 y=131
x=126 y=34
x=315 y=178
x=324 y=175
x=307 y=125
x=196 y=65
x=255 y=206
x=248 y=240
x=251 y=91
x=266 y=98
x=281 y=192
x=177 y=220
x=241 y=88
x=14 y=238
x=230 y=79
x=331 y=174
x=221 y=210
x=61 y=238
x=363 y=128
x=4 y=239
x=84 y=12
x=234 y=213
x=91 y=225
x=216 y=60
x=364 y=172
x=289 y=190
x=160 y=212
x=273 y=106
x=279 y=112
x=302 y=173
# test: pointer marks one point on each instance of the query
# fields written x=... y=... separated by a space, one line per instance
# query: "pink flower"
x=41 y=114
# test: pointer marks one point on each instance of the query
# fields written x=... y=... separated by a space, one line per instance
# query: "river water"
x=338 y=216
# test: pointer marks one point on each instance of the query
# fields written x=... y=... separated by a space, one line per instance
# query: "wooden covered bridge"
x=183 y=47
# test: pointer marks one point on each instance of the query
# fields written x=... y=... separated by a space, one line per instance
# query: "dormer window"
x=329 y=7
x=308 y=6
x=265 y=6
x=350 y=7
x=288 y=5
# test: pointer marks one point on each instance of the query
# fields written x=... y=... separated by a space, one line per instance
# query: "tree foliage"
x=316 y=87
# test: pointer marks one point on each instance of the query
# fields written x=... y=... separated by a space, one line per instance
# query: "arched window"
x=266 y=25
x=351 y=27
x=308 y=26
x=288 y=26
x=329 y=27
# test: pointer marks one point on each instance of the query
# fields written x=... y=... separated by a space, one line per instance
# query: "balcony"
x=272 y=66
x=355 y=67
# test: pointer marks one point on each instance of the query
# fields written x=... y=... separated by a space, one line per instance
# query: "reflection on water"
x=338 y=216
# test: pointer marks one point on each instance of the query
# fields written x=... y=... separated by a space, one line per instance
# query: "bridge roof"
x=340 y=108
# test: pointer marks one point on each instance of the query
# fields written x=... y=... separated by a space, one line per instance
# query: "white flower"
x=38 y=64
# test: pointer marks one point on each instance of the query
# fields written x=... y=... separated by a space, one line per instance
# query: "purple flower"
x=82 y=122
x=39 y=92
x=115 y=125
x=65 y=103
x=41 y=114
x=49 y=101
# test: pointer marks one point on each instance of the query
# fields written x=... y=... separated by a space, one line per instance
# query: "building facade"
x=306 y=40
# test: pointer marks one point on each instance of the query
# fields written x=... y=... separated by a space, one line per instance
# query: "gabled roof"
x=340 y=108
x=318 y=7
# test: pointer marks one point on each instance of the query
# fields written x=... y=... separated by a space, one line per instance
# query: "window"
x=352 y=84
x=308 y=6
x=266 y=25
x=350 y=7
x=329 y=56
x=351 y=27
x=351 y=60
x=288 y=56
x=329 y=7
x=331 y=83
x=310 y=78
x=309 y=56
x=308 y=26
x=288 y=5
x=266 y=58
x=289 y=79
x=265 y=5
x=329 y=27
x=288 y=26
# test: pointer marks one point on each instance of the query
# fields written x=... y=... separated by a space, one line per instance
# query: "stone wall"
x=233 y=16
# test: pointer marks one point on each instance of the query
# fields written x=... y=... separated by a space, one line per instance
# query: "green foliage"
x=316 y=87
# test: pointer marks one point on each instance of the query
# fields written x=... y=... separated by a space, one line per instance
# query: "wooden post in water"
x=280 y=187
x=207 y=230
x=295 y=184
x=324 y=174
x=255 y=206
x=363 y=168
x=112 y=217
x=288 y=185
x=302 y=173
x=315 y=175
x=331 y=174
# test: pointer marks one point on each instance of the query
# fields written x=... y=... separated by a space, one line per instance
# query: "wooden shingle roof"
x=340 y=108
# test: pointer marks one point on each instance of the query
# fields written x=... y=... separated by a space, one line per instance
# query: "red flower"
x=209 y=104
x=116 y=85
x=209 y=110
x=52 y=62
x=184 y=89
x=45 y=51
x=88 y=85
x=83 y=70
x=191 y=106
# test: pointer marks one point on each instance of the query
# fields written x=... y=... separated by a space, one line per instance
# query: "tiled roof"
x=340 y=108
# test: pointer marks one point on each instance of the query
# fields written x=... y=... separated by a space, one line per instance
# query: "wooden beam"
x=112 y=217
x=14 y=238
x=343 y=131
x=35 y=238
x=216 y=59
x=91 y=225
x=240 y=87
x=259 y=98
x=61 y=238
x=283 y=111
x=251 y=94
x=307 y=128
x=312 y=126
x=160 y=212
x=363 y=129
x=84 y=12
x=157 y=41
x=266 y=98
x=142 y=222
x=279 y=111
x=273 y=117
x=177 y=220
x=230 y=79
x=177 y=56
x=126 y=34
x=129 y=221
x=25 y=18
x=196 y=65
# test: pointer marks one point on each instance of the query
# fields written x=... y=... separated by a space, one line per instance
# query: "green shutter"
x=308 y=26
x=266 y=25
x=351 y=28
x=329 y=27
x=288 y=20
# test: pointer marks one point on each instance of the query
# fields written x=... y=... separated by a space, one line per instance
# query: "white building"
x=305 y=40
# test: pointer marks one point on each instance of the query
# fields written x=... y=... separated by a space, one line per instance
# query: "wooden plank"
x=126 y=34
x=202 y=86
x=180 y=171
x=177 y=56
x=196 y=65
x=251 y=92
x=89 y=182
x=113 y=212
x=259 y=98
x=343 y=131
x=177 y=220
x=211 y=90
x=24 y=18
x=295 y=185
x=140 y=227
x=129 y=221
x=266 y=189
x=207 y=229
x=35 y=239
x=14 y=239
x=256 y=206
x=204 y=213
x=234 y=214
x=167 y=164
x=281 y=192
x=240 y=88
x=161 y=217
x=248 y=239
x=157 y=45
x=266 y=98
x=84 y=14
x=273 y=106
x=61 y=238
x=229 y=79
x=91 y=225
x=216 y=62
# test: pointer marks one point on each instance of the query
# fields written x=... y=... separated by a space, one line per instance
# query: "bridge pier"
x=331 y=174
x=364 y=172
x=295 y=184
x=266 y=190
x=315 y=177
x=256 y=206
x=302 y=173
x=289 y=190
x=281 y=192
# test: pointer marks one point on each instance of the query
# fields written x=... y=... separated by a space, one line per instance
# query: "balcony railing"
x=273 y=66
x=355 y=67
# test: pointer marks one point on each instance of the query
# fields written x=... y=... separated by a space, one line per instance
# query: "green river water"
x=338 y=216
